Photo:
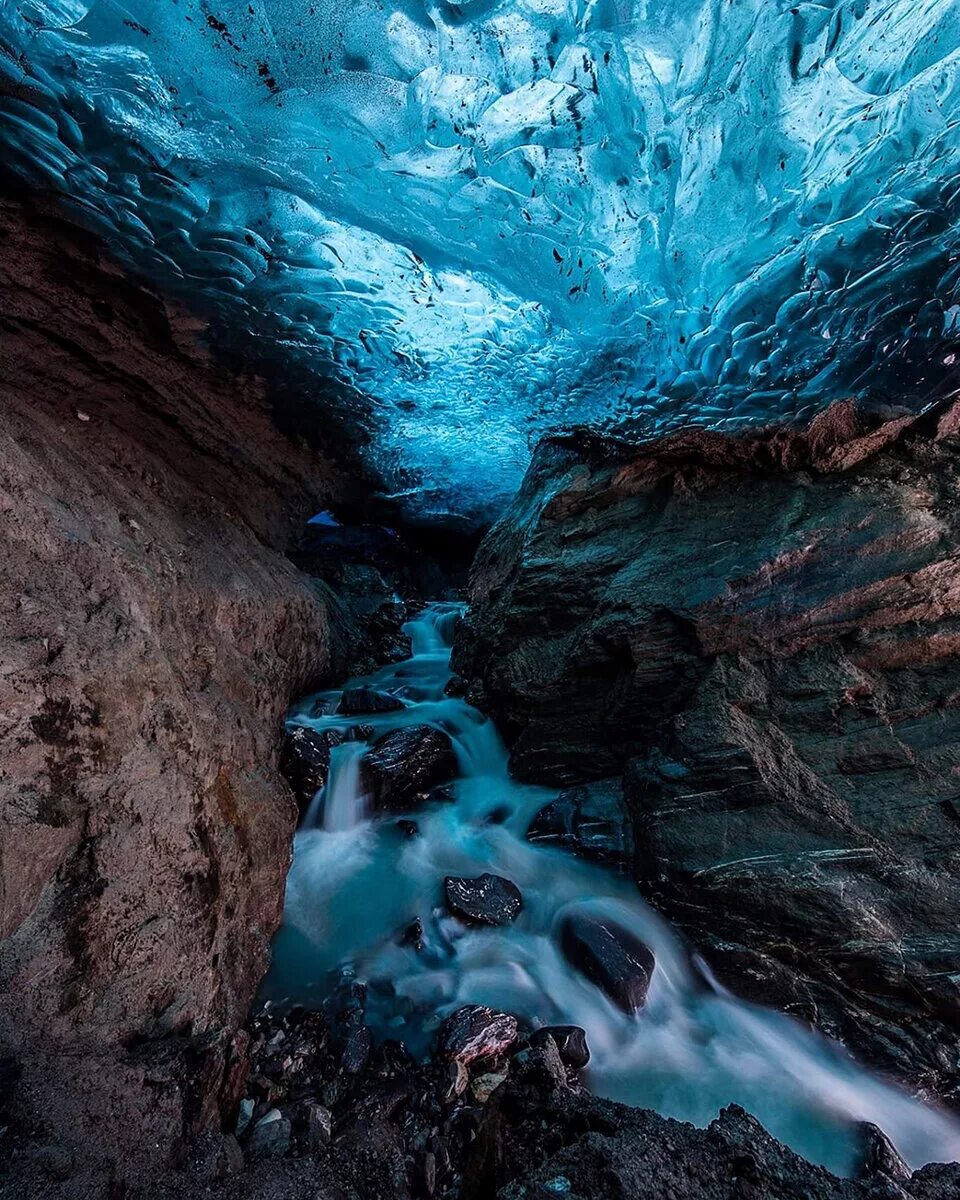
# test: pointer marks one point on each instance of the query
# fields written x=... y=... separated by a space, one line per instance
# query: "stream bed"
x=357 y=883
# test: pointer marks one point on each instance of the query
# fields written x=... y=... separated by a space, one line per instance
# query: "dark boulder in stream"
x=401 y=767
x=609 y=956
x=486 y=900
x=571 y=1042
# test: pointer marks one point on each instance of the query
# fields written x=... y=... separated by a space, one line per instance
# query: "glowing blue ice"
x=484 y=220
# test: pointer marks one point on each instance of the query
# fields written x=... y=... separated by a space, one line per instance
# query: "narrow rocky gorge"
x=758 y=636
x=734 y=658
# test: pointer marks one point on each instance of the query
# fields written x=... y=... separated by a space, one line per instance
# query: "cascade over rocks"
x=359 y=701
x=761 y=632
x=305 y=761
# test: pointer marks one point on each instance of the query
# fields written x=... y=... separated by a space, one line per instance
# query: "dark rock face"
x=486 y=900
x=534 y=1145
x=475 y=1033
x=609 y=956
x=359 y=701
x=763 y=632
x=590 y=821
x=305 y=761
x=401 y=767
x=152 y=634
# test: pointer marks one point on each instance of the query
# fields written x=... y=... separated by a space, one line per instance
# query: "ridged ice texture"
x=486 y=220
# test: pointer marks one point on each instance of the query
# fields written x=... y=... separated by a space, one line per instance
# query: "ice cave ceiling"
x=473 y=223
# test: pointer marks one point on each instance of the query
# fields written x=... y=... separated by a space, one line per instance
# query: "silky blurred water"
x=356 y=883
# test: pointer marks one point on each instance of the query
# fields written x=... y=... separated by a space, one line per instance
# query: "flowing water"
x=356 y=883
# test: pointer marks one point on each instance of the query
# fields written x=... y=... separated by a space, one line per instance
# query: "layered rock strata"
x=760 y=634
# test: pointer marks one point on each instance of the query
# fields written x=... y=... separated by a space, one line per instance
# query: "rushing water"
x=356 y=883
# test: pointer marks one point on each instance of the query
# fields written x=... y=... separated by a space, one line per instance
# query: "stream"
x=356 y=883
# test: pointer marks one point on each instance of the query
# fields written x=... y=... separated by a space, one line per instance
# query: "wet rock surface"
x=485 y=900
x=611 y=957
x=401 y=767
x=305 y=761
x=590 y=821
x=760 y=632
x=476 y=1033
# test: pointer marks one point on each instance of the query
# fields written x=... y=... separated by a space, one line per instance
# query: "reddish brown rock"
x=763 y=630
x=152 y=633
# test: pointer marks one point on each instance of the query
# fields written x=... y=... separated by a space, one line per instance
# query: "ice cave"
x=475 y=223
x=479 y=599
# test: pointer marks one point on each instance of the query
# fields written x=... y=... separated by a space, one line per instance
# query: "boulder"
x=361 y=701
x=540 y=1064
x=401 y=767
x=270 y=1137
x=305 y=761
x=611 y=957
x=476 y=1033
x=484 y=900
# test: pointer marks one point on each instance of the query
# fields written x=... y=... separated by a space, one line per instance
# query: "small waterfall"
x=341 y=804
x=356 y=884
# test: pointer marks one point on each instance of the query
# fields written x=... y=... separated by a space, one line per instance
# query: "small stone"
x=357 y=1042
x=484 y=900
x=541 y=1065
x=409 y=829
x=428 y=1172
x=484 y=1086
x=618 y=963
x=412 y=935
x=475 y=1033
x=357 y=701
x=571 y=1042
x=319 y=1127
x=459 y=1080
x=270 y=1137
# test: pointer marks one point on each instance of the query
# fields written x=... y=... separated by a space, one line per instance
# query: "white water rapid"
x=356 y=883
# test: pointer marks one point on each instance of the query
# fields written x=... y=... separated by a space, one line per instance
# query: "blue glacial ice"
x=469 y=224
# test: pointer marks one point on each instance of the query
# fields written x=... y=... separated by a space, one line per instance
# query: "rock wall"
x=152 y=634
x=761 y=635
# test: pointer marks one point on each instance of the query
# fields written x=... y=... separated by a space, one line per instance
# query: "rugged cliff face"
x=762 y=634
x=152 y=634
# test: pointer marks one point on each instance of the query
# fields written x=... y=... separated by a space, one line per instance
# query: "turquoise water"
x=356 y=883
